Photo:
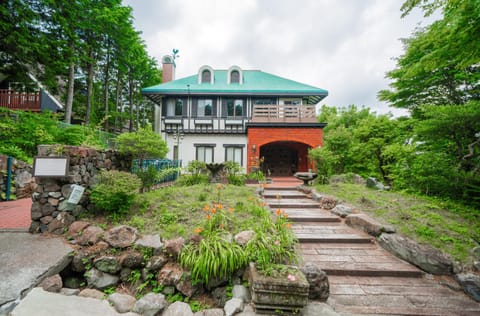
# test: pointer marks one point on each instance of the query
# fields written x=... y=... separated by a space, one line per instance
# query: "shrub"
x=115 y=191
x=236 y=179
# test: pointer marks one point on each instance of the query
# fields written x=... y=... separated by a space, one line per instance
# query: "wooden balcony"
x=20 y=100
x=273 y=113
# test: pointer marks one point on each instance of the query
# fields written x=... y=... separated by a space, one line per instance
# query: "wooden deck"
x=25 y=101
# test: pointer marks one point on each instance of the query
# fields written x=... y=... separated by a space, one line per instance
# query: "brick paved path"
x=15 y=215
x=364 y=278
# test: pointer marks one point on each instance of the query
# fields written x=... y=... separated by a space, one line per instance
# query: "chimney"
x=168 y=67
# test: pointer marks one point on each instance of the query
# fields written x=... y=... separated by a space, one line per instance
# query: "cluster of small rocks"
x=22 y=180
x=51 y=211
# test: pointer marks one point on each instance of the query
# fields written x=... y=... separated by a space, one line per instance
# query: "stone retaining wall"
x=22 y=181
x=50 y=210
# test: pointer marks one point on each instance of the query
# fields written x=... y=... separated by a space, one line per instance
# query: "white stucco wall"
x=187 y=148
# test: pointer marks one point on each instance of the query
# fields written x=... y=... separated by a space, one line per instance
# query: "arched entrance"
x=284 y=158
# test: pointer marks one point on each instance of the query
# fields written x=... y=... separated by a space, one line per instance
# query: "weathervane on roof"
x=175 y=55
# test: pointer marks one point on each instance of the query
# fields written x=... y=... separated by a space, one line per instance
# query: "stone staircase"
x=364 y=278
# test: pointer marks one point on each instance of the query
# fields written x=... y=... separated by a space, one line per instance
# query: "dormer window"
x=206 y=76
x=235 y=75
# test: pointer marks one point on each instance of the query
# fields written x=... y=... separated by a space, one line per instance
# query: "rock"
x=170 y=274
x=46 y=220
x=317 y=279
x=476 y=252
x=108 y=264
x=248 y=310
x=122 y=303
x=52 y=284
x=131 y=259
x=210 y=312
x=373 y=183
x=60 y=223
x=241 y=292
x=100 y=280
x=69 y=292
x=152 y=242
x=219 y=295
x=317 y=308
x=316 y=196
x=327 y=202
x=121 y=236
x=364 y=223
x=90 y=236
x=242 y=238
x=186 y=287
x=425 y=257
x=174 y=246
x=77 y=228
x=471 y=284
x=79 y=261
x=156 y=262
x=178 y=309
x=125 y=274
x=150 y=305
x=233 y=306
x=92 y=293
x=342 y=210
x=72 y=282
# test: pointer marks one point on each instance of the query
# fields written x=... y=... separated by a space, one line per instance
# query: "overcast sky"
x=343 y=46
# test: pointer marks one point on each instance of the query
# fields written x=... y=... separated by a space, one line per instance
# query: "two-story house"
x=247 y=116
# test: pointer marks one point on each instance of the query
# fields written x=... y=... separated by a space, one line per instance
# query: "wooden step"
x=332 y=238
x=294 y=203
x=313 y=216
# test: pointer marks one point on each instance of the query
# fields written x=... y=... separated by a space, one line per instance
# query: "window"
x=291 y=101
x=264 y=101
x=206 y=76
x=204 y=107
x=175 y=107
x=234 y=108
x=204 y=153
x=234 y=153
x=234 y=76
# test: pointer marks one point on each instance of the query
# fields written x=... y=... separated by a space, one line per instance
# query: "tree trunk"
x=71 y=85
x=118 y=107
x=130 y=103
x=105 y=87
x=89 y=87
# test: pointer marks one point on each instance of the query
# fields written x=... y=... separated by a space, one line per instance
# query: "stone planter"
x=278 y=294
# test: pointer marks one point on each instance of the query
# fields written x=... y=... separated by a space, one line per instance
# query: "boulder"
x=152 y=242
x=121 y=236
x=69 y=292
x=151 y=305
x=170 y=274
x=108 y=264
x=470 y=284
x=327 y=202
x=186 y=287
x=317 y=279
x=100 y=280
x=342 y=210
x=174 y=246
x=242 y=238
x=156 y=262
x=178 y=309
x=241 y=292
x=364 y=223
x=425 y=257
x=233 y=306
x=219 y=295
x=131 y=259
x=72 y=282
x=77 y=228
x=92 y=293
x=373 y=183
x=210 y=312
x=122 y=303
x=90 y=236
x=60 y=223
x=52 y=284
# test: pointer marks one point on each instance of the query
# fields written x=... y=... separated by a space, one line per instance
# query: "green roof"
x=255 y=82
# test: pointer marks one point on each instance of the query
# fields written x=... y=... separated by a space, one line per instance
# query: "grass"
x=176 y=211
x=446 y=225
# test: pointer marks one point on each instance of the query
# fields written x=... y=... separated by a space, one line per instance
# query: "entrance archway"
x=284 y=158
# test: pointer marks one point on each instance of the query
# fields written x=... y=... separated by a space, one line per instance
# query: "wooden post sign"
x=50 y=167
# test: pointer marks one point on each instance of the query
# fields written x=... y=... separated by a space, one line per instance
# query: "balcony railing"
x=284 y=113
x=20 y=100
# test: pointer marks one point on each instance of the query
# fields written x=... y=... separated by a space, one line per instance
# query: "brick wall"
x=259 y=136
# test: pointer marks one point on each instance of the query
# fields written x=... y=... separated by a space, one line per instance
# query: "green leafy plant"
x=115 y=191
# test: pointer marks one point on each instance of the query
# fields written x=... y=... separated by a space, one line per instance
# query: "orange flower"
x=219 y=186
x=213 y=210
x=289 y=225
x=278 y=212
x=198 y=230
x=285 y=215
x=231 y=209
x=219 y=206
x=206 y=208
x=221 y=226
x=209 y=217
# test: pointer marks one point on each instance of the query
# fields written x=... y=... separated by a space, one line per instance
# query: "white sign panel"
x=50 y=167
x=75 y=194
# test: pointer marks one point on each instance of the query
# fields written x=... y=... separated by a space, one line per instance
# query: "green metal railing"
x=159 y=165
x=107 y=139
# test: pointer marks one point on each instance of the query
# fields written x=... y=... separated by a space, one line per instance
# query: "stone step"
x=332 y=238
x=293 y=203
x=277 y=194
x=313 y=216
x=272 y=187
x=369 y=270
x=397 y=296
